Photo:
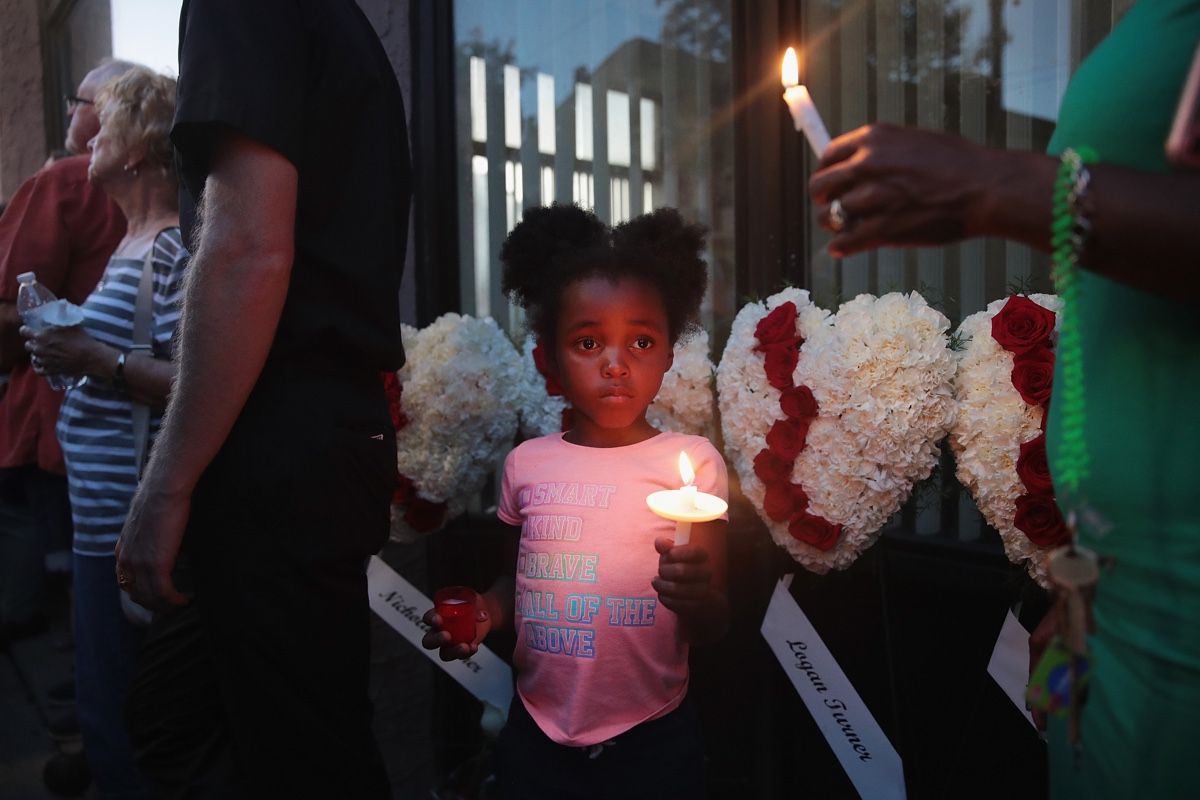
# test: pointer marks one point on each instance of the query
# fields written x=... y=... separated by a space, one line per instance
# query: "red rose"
x=1038 y=518
x=787 y=438
x=798 y=402
x=799 y=499
x=816 y=531
x=777 y=502
x=393 y=389
x=1033 y=375
x=1032 y=467
x=784 y=500
x=781 y=360
x=423 y=515
x=404 y=490
x=770 y=468
x=778 y=327
x=1022 y=325
x=553 y=387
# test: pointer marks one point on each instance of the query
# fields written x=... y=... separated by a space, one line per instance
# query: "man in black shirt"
x=276 y=455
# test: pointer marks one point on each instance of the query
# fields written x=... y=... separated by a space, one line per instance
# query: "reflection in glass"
x=649 y=137
x=512 y=106
x=583 y=122
x=545 y=119
x=619 y=106
x=619 y=146
x=478 y=100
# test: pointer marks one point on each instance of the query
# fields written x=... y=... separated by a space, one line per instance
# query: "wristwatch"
x=118 y=378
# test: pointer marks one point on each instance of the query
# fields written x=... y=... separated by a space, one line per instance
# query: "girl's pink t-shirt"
x=596 y=653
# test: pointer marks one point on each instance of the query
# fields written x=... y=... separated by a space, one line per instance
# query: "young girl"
x=603 y=604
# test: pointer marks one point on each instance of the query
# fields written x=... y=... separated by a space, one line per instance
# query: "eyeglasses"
x=73 y=102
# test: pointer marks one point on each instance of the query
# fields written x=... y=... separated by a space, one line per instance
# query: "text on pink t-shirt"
x=596 y=654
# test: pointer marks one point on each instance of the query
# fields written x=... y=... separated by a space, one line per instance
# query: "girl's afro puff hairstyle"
x=555 y=246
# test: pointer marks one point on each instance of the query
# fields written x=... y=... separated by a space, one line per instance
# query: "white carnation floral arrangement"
x=829 y=441
x=540 y=412
x=461 y=389
x=998 y=436
x=684 y=403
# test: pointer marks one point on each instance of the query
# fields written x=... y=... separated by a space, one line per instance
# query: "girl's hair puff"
x=550 y=248
x=663 y=249
x=555 y=246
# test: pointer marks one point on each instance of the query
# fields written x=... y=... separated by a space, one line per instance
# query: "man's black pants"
x=258 y=687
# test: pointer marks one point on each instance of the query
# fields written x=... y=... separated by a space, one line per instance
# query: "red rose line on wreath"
x=786 y=501
x=420 y=514
x=1023 y=328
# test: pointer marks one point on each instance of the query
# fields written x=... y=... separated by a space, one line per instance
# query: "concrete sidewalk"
x=28 y=668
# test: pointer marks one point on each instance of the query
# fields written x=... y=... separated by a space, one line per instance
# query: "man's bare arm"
x=236 y=285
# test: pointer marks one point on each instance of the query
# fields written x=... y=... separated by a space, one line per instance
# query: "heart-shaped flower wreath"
x=1003 y=384
x=831 y=420
x=454 y=404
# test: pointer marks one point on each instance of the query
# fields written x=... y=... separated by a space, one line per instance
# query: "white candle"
x=686 y=504
x=689 y=495
x=804 y=113
x=688 y=476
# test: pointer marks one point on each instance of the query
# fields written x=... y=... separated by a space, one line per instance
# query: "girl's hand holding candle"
x=455 y=605
x=458 y=622
x=686 y=504
x=804 y=114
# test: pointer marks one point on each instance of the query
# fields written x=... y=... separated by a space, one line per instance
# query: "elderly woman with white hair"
x=106 y=426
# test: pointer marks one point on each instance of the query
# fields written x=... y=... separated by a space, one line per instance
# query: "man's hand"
x=149 y=545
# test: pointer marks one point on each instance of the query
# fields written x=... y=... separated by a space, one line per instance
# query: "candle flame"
x=791 y=68
x=686 y=473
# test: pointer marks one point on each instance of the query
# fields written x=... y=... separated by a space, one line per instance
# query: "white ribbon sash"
x=1009 y=665
x=401 y=605
x=870 y=761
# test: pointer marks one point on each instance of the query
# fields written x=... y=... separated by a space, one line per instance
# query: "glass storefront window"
x=628 y=105
x=618 y=106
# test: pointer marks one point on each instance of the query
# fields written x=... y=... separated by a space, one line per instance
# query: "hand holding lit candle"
x=686 y=504
x=804 y=113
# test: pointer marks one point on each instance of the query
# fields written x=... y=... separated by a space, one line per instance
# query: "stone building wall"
x=46 y=47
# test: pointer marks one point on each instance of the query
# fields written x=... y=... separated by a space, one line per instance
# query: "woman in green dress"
x=1140 y=330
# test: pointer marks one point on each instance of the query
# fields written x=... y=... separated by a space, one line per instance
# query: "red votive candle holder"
x=456 y=606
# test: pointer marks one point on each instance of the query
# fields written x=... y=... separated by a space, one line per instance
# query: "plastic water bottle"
x=30 y=296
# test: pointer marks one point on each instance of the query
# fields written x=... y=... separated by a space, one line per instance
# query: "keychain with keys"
x=1059 y=682
x=1075 y=571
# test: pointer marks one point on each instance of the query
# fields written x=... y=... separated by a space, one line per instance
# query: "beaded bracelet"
x=1069 y=232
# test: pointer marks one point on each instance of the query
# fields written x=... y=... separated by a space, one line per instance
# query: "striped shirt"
x=95 y=426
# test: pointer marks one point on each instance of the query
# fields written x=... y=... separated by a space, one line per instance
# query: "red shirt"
x=63 y=229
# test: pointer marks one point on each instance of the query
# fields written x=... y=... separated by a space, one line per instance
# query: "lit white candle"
x=688 y=476
x=686 y=504
x=804 y=114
